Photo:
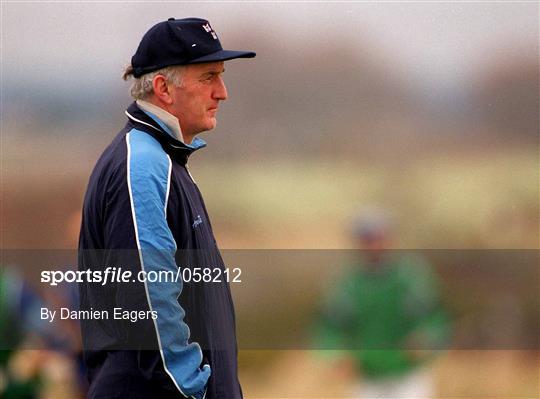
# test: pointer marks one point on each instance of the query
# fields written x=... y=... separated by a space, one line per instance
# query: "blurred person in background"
x=44 y=368
x=386 y=315
x=16 y=302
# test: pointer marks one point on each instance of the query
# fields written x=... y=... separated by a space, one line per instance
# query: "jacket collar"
x=175 y=148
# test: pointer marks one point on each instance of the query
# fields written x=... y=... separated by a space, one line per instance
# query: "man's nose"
x=220 y=92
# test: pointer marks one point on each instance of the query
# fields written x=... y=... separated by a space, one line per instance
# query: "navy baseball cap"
x=180 y=42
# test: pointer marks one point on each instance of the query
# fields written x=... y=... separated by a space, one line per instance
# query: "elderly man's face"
x=195 y=103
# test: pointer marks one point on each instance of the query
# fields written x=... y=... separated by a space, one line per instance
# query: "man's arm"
x=148 y=180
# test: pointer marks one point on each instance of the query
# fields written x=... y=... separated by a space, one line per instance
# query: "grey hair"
x=141 y=87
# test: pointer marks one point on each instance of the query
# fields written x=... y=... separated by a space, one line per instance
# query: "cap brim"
x=223 y=55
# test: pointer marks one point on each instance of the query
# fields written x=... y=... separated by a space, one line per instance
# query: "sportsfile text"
x=109 y=275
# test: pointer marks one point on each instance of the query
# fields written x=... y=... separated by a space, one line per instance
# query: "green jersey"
x=379 y=313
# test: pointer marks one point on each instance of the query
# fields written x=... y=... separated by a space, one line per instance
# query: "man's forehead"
x=207 y=67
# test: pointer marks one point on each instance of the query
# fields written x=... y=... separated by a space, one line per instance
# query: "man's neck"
x=168 y=119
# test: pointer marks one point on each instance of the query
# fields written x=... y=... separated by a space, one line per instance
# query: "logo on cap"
x=207 y=28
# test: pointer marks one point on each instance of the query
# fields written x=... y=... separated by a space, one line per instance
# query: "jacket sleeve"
x=148 y=180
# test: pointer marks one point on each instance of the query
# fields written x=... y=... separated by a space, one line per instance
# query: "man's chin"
x=211 y=124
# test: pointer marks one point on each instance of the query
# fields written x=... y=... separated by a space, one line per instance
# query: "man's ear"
x=161 y=89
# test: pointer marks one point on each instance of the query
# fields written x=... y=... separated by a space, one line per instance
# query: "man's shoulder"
x=130 y=143
x=132 y=153
x=143 y=146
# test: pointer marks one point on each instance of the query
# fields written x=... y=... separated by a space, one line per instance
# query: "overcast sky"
x=434 y=41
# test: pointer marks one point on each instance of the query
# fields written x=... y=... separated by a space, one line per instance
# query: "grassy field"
x=467 y=201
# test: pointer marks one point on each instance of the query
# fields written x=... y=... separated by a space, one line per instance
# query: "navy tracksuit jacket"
x=143 y=212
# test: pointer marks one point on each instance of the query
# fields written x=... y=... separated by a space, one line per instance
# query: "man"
x=144 y=213
x=386 y=312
